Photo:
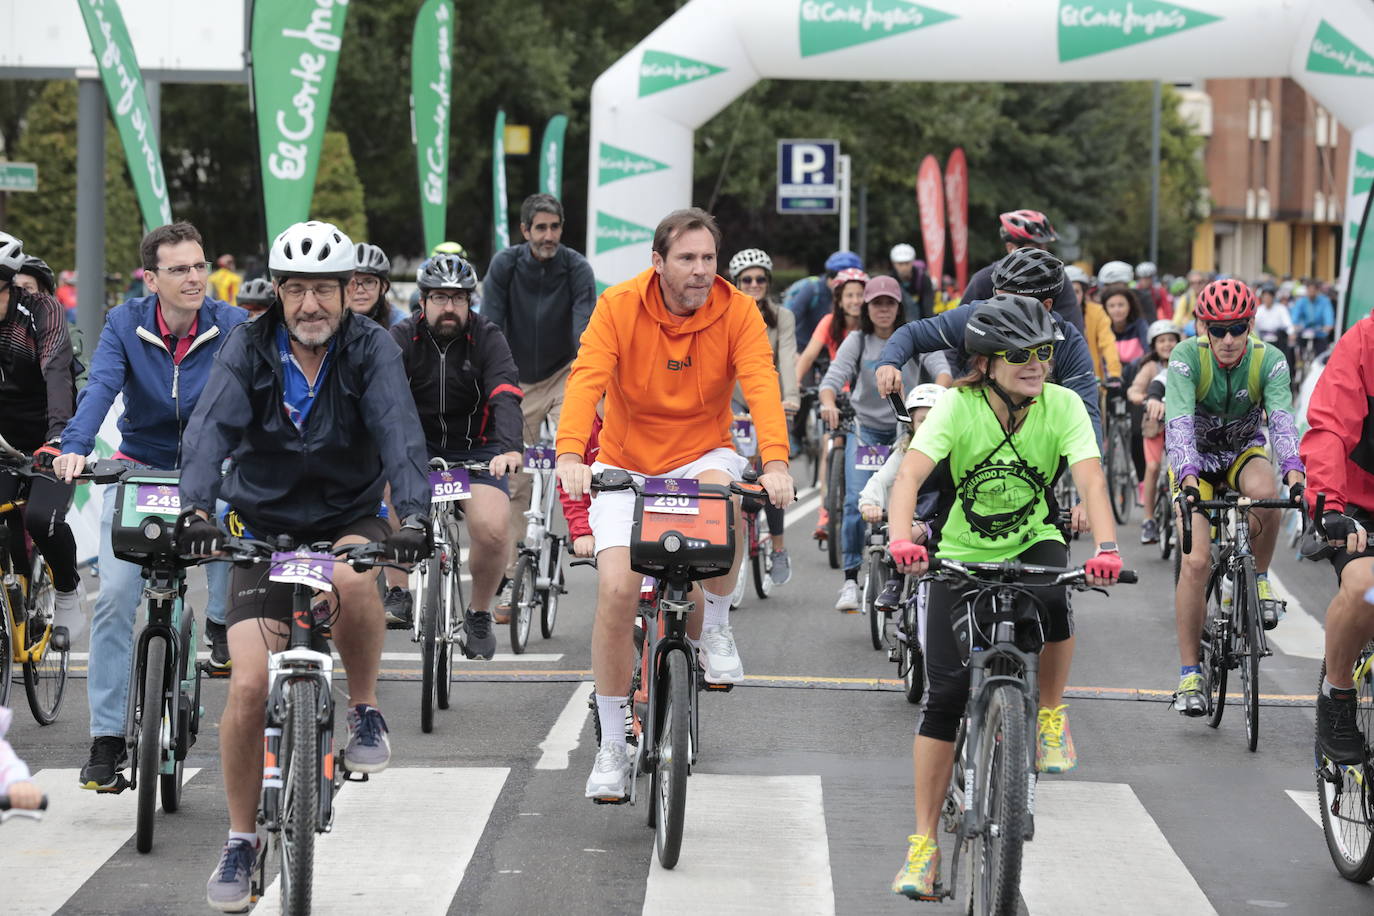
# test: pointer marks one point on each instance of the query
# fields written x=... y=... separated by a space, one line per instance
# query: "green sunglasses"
x=1019 y=357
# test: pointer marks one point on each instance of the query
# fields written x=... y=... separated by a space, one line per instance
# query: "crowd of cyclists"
x=311 y=406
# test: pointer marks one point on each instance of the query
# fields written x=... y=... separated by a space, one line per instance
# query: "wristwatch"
x=1107 y=547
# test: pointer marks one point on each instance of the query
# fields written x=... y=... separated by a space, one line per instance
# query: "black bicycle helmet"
x=1029 y=272
x=447 y=271
x=256 y=295
x=1026 y=226
x=372 y=260
x=1006 y=322
x=40 y=271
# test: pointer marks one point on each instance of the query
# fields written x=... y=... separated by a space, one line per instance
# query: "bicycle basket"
x=976 y=617
x=697 y=546
x=146 y=508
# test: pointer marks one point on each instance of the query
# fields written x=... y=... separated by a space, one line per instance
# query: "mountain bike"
x=1345 y=793
x=1122 y=483
x=834 y=478
x=906 y=648
x=990 y=803
x=1233 y=634
x=26 y=620
x=538 y=580
x=683 y=531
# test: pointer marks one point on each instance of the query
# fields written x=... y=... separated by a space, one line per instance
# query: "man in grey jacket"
x=540 y=294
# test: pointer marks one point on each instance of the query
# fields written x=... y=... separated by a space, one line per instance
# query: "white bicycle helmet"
x=312 y=249
x=924 y=395
x=11 y=255
x=1146 y=269
x=902 y=254
x=1075 y=274
x=1163 y=326
x=750 y=257
x=1115 y=272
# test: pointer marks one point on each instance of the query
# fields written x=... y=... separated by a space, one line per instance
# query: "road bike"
x=1345 y=793
x=1233 y=634
x=834 y=478
x=1122 y=482
x=538 y=581
x=683 y=531
x=990 y=803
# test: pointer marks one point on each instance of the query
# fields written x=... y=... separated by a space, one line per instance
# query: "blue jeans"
x=114 y=621
x=852 y=527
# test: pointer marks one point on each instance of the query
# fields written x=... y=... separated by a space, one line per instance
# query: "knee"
x=616 y=602
x=247 y=691
x=1356 y=581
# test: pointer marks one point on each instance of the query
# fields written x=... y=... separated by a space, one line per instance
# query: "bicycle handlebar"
x=440 y=464
x=616 y=479
x=34 y=813
x=361 y=557
x=1009 y=571
x=1227 y=501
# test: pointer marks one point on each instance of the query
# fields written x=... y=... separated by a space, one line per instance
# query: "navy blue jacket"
x=159 y=397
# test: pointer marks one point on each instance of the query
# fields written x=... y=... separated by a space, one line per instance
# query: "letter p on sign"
x=808 y=164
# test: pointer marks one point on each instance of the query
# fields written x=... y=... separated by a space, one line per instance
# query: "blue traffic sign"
x=808 y=176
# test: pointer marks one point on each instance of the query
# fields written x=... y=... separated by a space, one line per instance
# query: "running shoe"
x=719 y=656
x=1054 y=751
x=368 y=749
x=848 y=602
x=109 y=755
x=610 y=777
x=919 y=877
x=230 y=888
x=782 y=568
x=1149 y=531
x=399 y=607
x=1189 y=699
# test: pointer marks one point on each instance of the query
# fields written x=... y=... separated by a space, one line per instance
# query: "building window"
x=1262 y=205
x=1322 y=122
x=1266 y=119
x=1250 y=204
x=1254 y=119
x=1319 y=207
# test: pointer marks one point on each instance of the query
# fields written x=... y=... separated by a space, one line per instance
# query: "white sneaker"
x=67 y=612
x=718 y=656
x=849 y=596
x=610 y=779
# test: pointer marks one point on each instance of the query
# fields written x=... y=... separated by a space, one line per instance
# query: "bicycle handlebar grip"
x=1185 y=512
x=1128 y=577
x=5 y=804
x=936 y=565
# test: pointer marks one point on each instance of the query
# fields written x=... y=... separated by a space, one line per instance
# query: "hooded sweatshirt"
x=668 y=379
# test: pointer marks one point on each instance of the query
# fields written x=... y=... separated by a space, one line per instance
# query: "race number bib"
x=157 y=499
x=315 y=570
x=448 y=486
x=538 y=459
x=871 y=457
x=742 y=431
x=672 y=495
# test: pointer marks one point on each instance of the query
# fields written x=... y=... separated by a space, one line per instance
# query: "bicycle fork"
x=285 y=668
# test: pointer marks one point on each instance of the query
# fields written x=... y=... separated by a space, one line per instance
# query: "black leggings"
x=946 y=674
x=775 y=518
x=44 y=516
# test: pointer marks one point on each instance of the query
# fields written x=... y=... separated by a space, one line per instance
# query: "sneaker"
x=479 y=641
x=1338 y=732
x=67 y=616
x=781 y=573
x=919 y=877
x=1271 y=608
x=718 y=656
x=399 y=606
x=822 y=525
x=610 y=778
x=891 y=594
x=848 y=601
x=1149 y=531
x=368 y=750
x=218 y=634
x=503 y=601
x=1054 y=751
x=1188 y=699
x=230 y=888
x=109 y=755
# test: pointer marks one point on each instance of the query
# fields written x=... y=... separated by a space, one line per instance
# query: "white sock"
x=610 y=711
x=250 y=838
x=717 y=612
x=68 y=613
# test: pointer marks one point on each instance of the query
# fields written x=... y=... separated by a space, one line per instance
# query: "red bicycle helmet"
x=1225 y=300
x=1027 y=226
x=848 y=275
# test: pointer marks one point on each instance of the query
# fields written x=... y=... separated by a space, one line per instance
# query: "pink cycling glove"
x=1105 y=565
x=906 y=553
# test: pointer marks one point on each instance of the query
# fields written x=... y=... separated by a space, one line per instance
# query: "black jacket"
x=1065 y=304
x=466 y=391
x=541 y=306
x=362 y=433
x=37 y=377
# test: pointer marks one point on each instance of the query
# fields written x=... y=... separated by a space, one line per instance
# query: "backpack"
x=1256 y=356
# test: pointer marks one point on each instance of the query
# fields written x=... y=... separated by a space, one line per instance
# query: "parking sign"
x=808 y=176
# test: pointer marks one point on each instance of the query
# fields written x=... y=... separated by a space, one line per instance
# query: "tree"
x=339 y=197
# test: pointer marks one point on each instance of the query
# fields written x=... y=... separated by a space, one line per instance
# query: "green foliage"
x=46 y=221
x=339 y=197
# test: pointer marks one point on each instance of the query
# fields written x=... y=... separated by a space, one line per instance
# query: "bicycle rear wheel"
x=1002 y=768
x=1345 y=794
x=522 y=599
x=149 y=730
x=873 y=586
x=301 y=797
x=834 y=505
x=669 y=787
x=430 y=612
x=1120 y=474
x=761 y=558
x=1248 y=649
x=6 y=654
x=548 y=599
x=45 y=681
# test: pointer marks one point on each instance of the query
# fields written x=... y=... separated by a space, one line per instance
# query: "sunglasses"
x=1019 y=357
x=1219 y=331
x=760 y=280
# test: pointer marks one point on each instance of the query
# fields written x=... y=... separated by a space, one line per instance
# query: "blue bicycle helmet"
x=842 y=260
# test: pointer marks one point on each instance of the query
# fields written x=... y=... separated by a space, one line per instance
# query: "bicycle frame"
x=163 y=600
x=671 y=607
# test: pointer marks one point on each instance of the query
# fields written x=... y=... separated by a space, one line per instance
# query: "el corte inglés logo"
x=659 y=71
x=830 y=25
x=614 y=164
x=613 y=232
x=1086 y=29
x=1332 y=52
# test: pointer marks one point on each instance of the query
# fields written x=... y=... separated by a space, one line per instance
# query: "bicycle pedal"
x=121 y=783
x=719 y=688
x=610 y=800
x=215 y=671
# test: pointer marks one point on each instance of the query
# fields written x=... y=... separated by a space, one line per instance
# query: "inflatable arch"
x=647 y=105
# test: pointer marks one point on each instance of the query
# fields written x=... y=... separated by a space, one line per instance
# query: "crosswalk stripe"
x=531 y=657
x=1309 y=803
x=1097 y=850
x=44 y=864
x=563 y=738
x=375 y=823
x=743 y=834
x=1299 y=633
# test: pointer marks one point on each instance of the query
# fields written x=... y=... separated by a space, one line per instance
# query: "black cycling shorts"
x=1342 y=557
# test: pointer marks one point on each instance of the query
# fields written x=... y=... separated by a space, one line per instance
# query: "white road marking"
x=533 y=658
x=750 y=844
x=1299 y=633
x=1309 y=803
x=45 y=863
x=801 y=510
x=566 y=733
x=372 y=823
x=1097 y=850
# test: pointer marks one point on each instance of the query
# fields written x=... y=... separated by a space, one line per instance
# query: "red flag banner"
x=930 y=199
x=956 y=202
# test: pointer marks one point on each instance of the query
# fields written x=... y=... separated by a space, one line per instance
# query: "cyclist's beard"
x=446 y=328
x=316 y=333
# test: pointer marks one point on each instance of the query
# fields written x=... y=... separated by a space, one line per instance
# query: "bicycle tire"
x=1248 y=617
x=741 y=587
x=1002 y=768
x=1164 y=517
x=674 y=753
x=430 y=612
x=1216 y=645
x=761 y=558
x=453 y=611
x=6 y=654
x=834 y=501
x=170 y=784
x=914 y=671
x=873 y=587
x=45 y=681
x=548 y=600
x=522 y=598
x=300 y=797
x=1122 y=474
x=148 y=756
x=1349 y=828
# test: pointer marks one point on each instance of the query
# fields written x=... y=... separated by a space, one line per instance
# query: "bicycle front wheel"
x=430 y=612
x=1120 y=474
x=454 y=604
x=1249 y=639
x=1346 y=793
x=522 y=599
x=149 y=730
x=1002 y=768
x=548 y=601
x=913 y=660
x=1164 y=516
x=834 y=505
x=301 y=797
x=669 y=788
x=761 y=558
x=1216 y=648
x=873 y=587
x=6 y=654
x=45 y=680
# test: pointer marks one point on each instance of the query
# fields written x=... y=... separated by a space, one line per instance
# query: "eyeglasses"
x=366 y=282
x=1019 y=357
x=444 y=300
x=1219 y=331
x=754 y=280
x=324 y=292
x=181 y=270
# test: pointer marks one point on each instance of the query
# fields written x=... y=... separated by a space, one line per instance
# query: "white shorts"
x=612 y=514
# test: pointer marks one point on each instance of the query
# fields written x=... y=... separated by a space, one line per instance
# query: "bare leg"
x=1055 y=660
x=1151 y=485
x=933 y=761
x=720 y=586
x=240 y=728
x=486 y=516
x=1349 y=622
x=1190 y=600
x=1257 y=481
x=617 y=600
x=360 y=628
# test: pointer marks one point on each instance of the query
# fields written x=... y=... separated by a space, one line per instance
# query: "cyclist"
x=1128 y=325
x=665 y=348
x=1221 y=385
x=1005 y=433
x=154 y=351
x=36 y=276
x=1022 y=229
x=1154 y=298
x=918 y=292
x=876 y=425
x=1336 y=451
x=256 y=296
x=463 y=379
x=224 y=282
x=809 y=299
x=1274 y=323
x=369 y=286
x=1097 y=327
x=312 y=403
x=752 y=271
x=15 y=779
x=1164 y=336
x=445 y=247
x=1313 y=312
x=1186 y=302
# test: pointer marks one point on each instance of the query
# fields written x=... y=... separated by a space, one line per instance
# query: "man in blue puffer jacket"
x=156 y=351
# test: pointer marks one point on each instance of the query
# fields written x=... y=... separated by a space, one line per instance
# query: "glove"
x=195 y=536
x=1191 y=494
x=1105 y=564
x=411 y=543
x=1114 y=383
x=905 y=553
x=1337 y=526
x=1296 y=490
x=43 y=458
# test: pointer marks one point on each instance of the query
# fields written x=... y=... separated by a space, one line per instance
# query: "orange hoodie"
x=668 y=380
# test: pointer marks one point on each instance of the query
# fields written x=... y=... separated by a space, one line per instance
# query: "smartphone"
x=899 y=407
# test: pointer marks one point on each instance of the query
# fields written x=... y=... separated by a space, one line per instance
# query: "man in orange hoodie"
x=666 y=348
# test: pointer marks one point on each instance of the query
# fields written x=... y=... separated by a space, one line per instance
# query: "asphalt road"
x=801 y=801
